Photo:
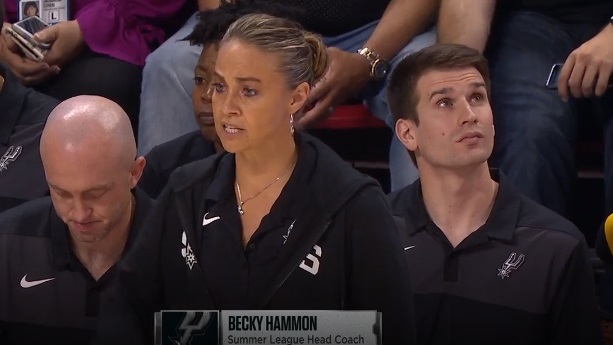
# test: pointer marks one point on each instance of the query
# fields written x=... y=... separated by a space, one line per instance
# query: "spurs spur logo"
x=513 y=262
x=187 y=252
x=9 y=156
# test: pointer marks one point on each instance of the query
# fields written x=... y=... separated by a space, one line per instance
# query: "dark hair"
x=28 y=5
x=402 y=96
x=2 y=12
x=213 y=24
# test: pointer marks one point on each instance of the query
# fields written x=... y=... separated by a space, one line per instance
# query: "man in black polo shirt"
x=58 y=254
x=23 y=113
x=488 y=265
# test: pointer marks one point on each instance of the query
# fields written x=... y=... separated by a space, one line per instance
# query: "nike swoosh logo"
x=26 y=284
x=208 y=221
x=409 y=247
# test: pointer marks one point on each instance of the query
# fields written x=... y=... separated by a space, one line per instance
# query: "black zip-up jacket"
x=362 y=266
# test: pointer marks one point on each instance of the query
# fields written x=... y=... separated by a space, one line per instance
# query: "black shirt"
x=46 y=295
x=163 y=159
x=336 y=17
x=595 y=12
x=524 y=277
x=23 y=115
x=246 y=274
x=341 y=253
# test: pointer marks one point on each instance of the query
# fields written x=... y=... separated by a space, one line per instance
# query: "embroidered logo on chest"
x=10 y=155
x=513 y=262
x=187 y=252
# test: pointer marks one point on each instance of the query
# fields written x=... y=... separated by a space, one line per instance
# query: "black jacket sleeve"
x=574 y=315
x=378 y=277
x=128 y=306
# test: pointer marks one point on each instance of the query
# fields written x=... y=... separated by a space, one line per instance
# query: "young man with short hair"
x=488 y=265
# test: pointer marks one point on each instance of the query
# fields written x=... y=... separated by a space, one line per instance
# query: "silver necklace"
x=241 y=202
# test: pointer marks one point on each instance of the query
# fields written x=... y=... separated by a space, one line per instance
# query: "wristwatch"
x=378 y=66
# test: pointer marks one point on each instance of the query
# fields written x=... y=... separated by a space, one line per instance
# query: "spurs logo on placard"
x=513 y=262
x=187 y=252
x=9 y=156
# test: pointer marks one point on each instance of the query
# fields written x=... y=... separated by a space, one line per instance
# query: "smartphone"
x=554 y=75
x=31 y=51
x=29 y=26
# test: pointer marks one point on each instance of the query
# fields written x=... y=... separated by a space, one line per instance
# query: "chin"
x=92 y=236
x=231 y=148
x=208 y=132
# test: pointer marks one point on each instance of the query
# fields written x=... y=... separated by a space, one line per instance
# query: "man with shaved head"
x=57 y=254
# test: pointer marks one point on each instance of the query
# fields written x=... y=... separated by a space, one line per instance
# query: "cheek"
x=264 y=114
x=62 y=207
x=195 y=96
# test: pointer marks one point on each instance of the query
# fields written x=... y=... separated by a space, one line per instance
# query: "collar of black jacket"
x=62 y=253
x=501 y=223
x=12 y=97
x=329 y=181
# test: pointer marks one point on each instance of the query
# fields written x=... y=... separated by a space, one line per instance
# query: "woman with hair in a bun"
x=279 y=221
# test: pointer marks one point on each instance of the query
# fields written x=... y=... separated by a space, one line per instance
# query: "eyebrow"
x=241 y=79
x=447 y=90
x=93 y=189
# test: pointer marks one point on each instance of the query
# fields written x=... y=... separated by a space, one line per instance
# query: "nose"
x=207 y=95
x=226 y=102
x=80 y=211
x=467 y=113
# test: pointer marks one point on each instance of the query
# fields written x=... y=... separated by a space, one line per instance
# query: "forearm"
x=401 y=22
x=465 y=22
x=205 y=5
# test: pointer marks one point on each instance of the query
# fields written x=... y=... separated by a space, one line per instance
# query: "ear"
x=405 y=131
x=136 y=171
x=299 y=97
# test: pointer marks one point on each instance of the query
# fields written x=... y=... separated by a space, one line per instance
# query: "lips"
x=470 y=135
x=84 y=226
x=206 y=118
x=230 y=129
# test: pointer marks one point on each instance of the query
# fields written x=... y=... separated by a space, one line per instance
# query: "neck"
x=458 y=202
x=101 y=255
x=255 y=168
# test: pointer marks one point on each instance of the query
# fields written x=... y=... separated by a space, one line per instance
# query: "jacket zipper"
x=278 y=286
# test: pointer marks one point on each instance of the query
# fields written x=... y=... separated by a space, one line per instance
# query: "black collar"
x=222 y=185
x=63 y=255
x=501 y=223
x=12 y=97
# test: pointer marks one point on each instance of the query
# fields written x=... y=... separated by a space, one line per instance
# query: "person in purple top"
x=100 y=51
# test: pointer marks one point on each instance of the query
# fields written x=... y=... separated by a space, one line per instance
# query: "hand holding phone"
x=66 y=40
x=554 y=76
x=28 y=70
x=29 y=49
x=22 y=34
x=28 y=27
